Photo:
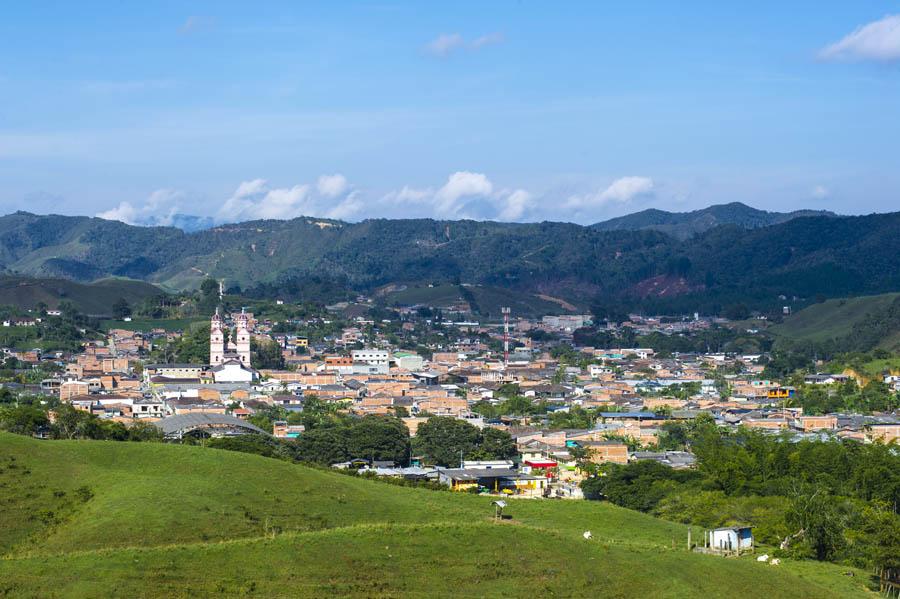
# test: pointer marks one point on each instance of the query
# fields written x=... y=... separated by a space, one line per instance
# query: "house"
x=731 y=539
x=780 y=393
x=493 y=479
x=409 y=361
x=817 y=423
x=825 y=379
x=283 y=430
x=884 y=432
x=602 y=452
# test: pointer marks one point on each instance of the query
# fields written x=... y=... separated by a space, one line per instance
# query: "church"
x=230 y=361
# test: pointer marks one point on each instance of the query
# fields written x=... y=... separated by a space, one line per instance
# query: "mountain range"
x=687 y=224
x=804 y=257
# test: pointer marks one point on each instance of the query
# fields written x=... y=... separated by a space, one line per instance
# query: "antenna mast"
x=505 y=312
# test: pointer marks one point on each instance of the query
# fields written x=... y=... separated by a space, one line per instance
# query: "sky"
x=511 y=111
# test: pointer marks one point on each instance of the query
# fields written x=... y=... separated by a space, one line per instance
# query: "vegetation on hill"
x=830 y=500
x=851 y=324
x=96 y=299
x=684 y=225
x=727 y=265
x=93 y=518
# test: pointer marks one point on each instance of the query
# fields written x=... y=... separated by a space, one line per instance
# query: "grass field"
x=104 y=519
x=830 y=319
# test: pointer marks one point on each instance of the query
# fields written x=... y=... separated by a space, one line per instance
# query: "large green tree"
x=445 y=441
x=382 y=438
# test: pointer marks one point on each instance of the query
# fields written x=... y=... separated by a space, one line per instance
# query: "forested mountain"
x=684 y=225
x=802 y=257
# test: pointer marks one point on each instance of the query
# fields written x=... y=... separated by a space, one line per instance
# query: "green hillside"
x=804 y=257
x=91 y=519
x=94 y=298
x=487 y=300
x=684 y=225
x=845 y=319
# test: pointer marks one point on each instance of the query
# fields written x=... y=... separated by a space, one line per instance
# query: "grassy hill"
x=840 y=319
x=94 y=298
x=89 y=519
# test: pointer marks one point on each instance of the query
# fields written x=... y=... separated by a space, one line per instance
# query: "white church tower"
x=216 y=340
x=242 y=339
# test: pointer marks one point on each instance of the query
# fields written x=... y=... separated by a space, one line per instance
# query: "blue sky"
x=501 y=110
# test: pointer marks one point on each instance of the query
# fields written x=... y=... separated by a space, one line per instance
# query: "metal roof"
x=186 y=422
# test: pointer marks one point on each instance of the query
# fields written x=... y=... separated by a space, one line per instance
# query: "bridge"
x=214 y=425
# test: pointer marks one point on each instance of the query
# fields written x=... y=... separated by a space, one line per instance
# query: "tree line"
x=828 y=500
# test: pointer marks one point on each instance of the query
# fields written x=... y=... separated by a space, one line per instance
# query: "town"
x=523 y=406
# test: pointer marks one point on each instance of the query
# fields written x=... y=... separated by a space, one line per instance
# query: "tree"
x=266 y=354
x=23 y=420
x=256 y=444
x=120 y=308
x=819 y=523
x=445 y=441
x=381 y=438
x=496 y=445
x=323 y=446
x=209 y=287
x=638 y=486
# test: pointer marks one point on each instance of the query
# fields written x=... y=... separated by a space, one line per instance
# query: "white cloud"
x=516 y=204
x=464 y=195
x=460 y=185
x=124 y=212
x=620 y=191
x=332 y=186
x=627 y=188
x=487 y=40
x=408 y=195
x=820 y=192
x=447 y=43
x=160 y=208
x=331 y=197
x=877 y=41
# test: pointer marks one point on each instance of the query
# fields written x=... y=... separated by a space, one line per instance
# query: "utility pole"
x=505 y=311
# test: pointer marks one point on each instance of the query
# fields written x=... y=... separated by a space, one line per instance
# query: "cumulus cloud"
x=465 y=194
x=331 y=186
x=877 y=41
x=160 y=208
x=620 y=191
x=331 y=197
x=447 y=43
x=515 y=205
x=460 y=186
x=462 y=195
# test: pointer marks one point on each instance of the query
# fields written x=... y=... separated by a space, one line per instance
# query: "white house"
x=732 y=538
x=374 y=357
